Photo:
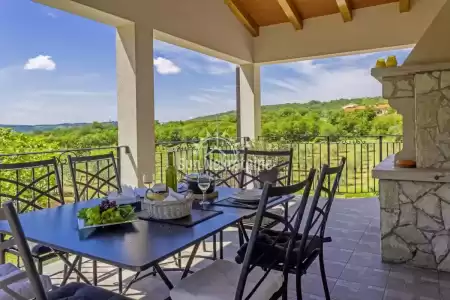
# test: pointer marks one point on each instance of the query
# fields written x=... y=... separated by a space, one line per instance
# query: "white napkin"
x=173 y=196
x=127 y=196
x=140 y=192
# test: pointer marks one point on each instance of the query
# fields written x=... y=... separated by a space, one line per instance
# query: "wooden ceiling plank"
x=345 y=10
x=243 y=17
x=404 y=5
x=292 y=13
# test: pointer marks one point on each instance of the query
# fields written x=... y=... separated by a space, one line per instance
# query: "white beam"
x=373 y=28
x=136 y=111
x=201 y=25
x=249 y=96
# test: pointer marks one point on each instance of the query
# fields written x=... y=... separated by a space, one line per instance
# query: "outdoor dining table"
x=136 y=247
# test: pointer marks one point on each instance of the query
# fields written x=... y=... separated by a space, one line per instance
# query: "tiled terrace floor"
x=353 y=264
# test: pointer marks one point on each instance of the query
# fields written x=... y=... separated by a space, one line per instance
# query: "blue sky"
x=56 y=67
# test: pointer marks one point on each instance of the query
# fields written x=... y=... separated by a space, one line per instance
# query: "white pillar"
x=136 y=113
x=249 y=100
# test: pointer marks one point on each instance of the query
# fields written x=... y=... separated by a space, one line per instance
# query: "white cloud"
x=201 y=99
x=40 y=62
x=324 y=80
x=321 y=82
x=165 y=66
x=192 y=60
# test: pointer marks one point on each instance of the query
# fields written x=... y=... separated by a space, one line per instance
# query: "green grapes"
x=115 y=214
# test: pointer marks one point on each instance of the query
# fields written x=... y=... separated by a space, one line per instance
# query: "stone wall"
x=432 y=92
x=399 y=90
x=415 y=223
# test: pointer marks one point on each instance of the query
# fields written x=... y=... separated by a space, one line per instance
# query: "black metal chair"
x=259 y=165
x=31 y=186
x=309 y=245
x=224 y=165
x=266 y=166
x=227 y=280
x=94 y=177
x=39 y=290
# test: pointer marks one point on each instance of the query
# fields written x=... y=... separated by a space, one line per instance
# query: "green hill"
x=295 y=121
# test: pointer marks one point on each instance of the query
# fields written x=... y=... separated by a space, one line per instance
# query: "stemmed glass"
x=204 y=182
x=147 y=179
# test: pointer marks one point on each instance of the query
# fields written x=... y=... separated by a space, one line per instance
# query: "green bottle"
x=171 y=172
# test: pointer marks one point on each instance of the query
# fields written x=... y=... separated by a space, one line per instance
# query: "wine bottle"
x=171 y=172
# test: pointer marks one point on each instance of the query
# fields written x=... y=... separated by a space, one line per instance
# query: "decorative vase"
x=381 y=63
x=391 y=61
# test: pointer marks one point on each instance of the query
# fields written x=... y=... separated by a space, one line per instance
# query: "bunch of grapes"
x=106 y=204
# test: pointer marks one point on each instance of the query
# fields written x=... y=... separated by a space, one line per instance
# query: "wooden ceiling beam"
x=243 y=17
x=345 y=9
x=292 y=13
x=404 y=5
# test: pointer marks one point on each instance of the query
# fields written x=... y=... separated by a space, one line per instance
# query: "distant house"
x=353 y=107
x=380 y=109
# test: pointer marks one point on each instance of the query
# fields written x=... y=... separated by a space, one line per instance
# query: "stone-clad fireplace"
x=415 y=203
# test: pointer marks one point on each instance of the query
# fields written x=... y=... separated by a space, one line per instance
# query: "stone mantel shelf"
x=386 y=170
x=379 y=73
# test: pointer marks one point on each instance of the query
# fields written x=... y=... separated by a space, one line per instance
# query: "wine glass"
x=147 y=179
x=204 y=182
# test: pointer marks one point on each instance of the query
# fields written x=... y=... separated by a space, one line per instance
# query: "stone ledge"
x=386 y=170
x=379 y=73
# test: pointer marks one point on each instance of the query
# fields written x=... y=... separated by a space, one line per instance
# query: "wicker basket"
x=167 y=210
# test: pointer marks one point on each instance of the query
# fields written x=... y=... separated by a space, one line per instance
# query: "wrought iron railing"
x=363 y=153
x=61 y=157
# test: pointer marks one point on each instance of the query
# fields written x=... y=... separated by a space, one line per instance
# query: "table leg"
x=221 y=245
x=130 y=283
x=191 y=259
x=119 y=277
x=214 y=247
x=163 y=277
x=72 y=268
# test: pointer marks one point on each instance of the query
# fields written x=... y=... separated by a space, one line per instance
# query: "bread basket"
x=168 y=210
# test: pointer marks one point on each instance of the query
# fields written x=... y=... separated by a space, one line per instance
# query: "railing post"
x=328 y=157
x=380 y=143
x=119 y=163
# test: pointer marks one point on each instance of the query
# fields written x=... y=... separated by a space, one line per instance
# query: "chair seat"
x=39 y=250
x=22 y=287
x=271 y=245
x=219 y=281
x=36 y=249
x=267 y=221
x=81 y=291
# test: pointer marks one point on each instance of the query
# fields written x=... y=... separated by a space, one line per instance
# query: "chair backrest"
x=266 y=166
x=94 y=176
x=250 y=261
x=9 y=213
x=224 y=165
x=31 y=185
x=318 y=213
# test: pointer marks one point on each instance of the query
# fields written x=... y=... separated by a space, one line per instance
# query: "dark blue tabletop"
x=225 y=192
x=135 y=246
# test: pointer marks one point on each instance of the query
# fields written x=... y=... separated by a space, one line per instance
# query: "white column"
x=249 y=100
x=136 y=113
